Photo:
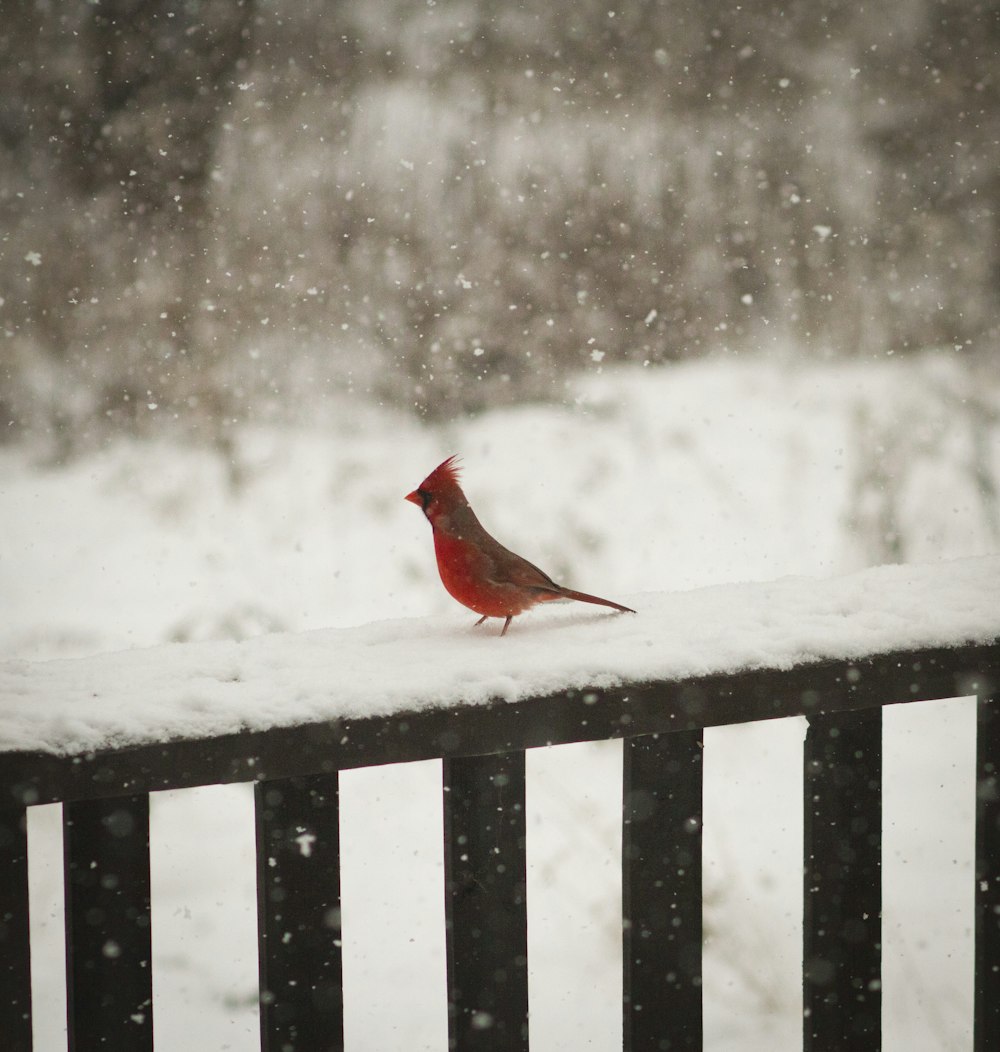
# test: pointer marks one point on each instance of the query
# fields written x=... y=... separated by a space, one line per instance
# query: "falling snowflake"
x=34 y=258
x=305 y=841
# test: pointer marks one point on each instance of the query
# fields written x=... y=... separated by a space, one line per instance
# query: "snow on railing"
x=197 y=690
x=289 y=713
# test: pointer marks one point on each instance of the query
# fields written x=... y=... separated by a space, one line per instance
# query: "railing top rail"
x=572 y=715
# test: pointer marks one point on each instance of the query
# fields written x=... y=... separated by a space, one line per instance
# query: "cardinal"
x=476 y=569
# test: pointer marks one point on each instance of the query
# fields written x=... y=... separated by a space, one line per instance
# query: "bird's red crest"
x=446 y=473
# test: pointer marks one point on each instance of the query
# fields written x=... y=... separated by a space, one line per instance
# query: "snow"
x=202 y=689
x=645 y=480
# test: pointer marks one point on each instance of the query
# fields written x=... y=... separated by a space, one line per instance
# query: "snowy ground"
x=712 y=473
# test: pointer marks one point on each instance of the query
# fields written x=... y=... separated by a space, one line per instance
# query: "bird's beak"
x=414 y=498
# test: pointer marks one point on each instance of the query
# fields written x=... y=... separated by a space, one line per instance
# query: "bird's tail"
x=568 y=593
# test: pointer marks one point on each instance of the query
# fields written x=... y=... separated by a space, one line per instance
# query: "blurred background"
x=702 y=292
x=231 y=209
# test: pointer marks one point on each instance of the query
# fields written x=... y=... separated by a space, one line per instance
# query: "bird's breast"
x=470 y=577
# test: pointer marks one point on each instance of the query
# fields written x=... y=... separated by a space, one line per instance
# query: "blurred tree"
x=227 y=208
x=109 y=123
x=936 y=126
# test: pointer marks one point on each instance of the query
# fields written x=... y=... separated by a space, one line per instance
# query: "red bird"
x=477 y=570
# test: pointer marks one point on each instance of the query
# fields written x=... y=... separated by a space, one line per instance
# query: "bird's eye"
x=425 y=497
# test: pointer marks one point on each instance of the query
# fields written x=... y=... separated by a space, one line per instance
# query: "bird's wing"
x=507 y=567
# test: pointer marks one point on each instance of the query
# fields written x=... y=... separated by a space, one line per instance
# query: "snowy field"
x=645 y=481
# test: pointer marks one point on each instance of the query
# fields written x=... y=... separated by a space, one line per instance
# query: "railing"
x=295 y=771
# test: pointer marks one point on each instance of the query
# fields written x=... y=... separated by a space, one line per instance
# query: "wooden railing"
x=105 y=799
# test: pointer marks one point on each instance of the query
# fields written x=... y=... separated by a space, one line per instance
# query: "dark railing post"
x=109 y=981
x=661 y=892
x=298 y=915
x=987 y=998
x=15 y=954
x=842 y=914
x=485 y=903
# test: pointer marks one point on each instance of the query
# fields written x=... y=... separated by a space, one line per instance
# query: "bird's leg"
x=480 y=621
x=506 y=624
